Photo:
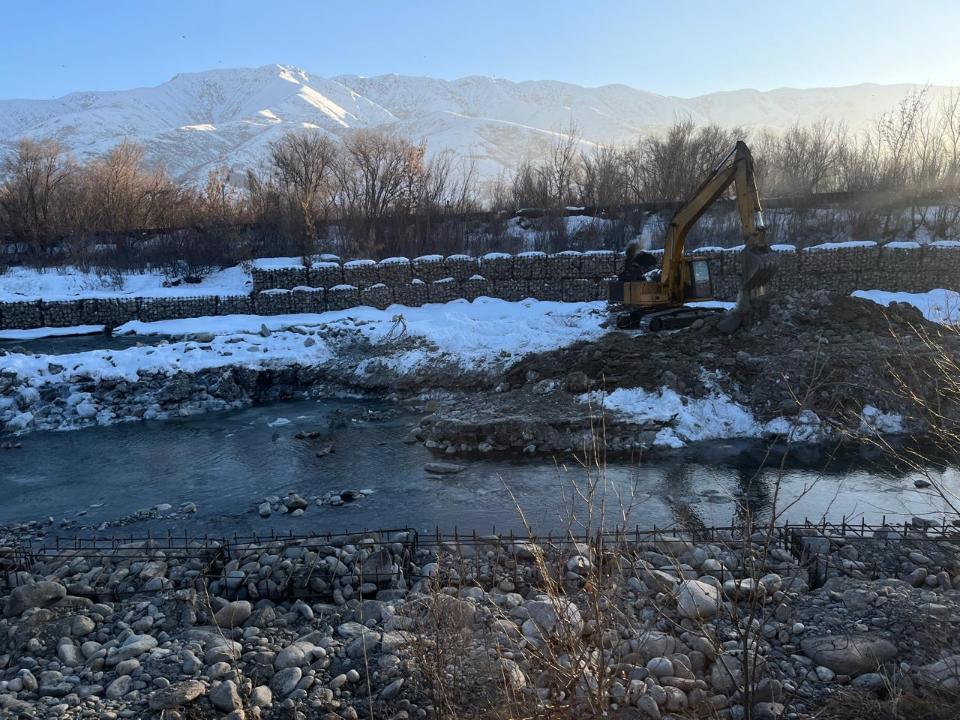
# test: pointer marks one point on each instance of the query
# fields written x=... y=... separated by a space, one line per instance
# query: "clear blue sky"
x=687 y=47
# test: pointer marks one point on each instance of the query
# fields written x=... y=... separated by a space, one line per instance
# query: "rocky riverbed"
x=369 y=625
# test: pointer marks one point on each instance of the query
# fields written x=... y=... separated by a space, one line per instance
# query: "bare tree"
x=304 y=166
x=34 y=178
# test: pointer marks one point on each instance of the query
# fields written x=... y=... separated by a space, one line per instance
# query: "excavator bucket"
x=758 y=268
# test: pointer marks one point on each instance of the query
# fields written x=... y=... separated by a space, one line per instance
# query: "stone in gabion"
x=22 y=315
x=597 y=264
x=941 y=266
x=413 y=294
x=474 y=287
x=275 y=302
x=564 y=264
x=395 y=271
x=512 y=290
x=377 y=296
x=173 y=308
x=235 y=305
x=111 y=311
x=360 y=273
x=546 y=289
x=325 y=275
x=496 y=267
x=461 y=267
x=308 y=300
x=580 y=290
x=444 y=290
x=429 y=268
x=63 y=313
x=341 y=297
x=284 y=278
x=530 y=266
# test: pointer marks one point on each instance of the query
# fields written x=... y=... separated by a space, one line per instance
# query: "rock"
x=136 y=645
x=295 y=502
x=576 y=382
x=39 y=595
x=660 y=667
x=285 y=681
x=943 y=674
x=392 y=690
x=379 y=567
x=697 y=600
x=261 y=697
x=726 y=674
x=225 y=697
x=848 y=654
x=119 y=687
x=127 y=667
x=544 y=619
x=290 y=656
x=264 y=330
x=265 y=510
x=177 y=694
x=647 y=708
x=233 y=614
x=442 y=468
x=870 y=681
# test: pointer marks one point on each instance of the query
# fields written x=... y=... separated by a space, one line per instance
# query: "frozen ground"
x=476 y=334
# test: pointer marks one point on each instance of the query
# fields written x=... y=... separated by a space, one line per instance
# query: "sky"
x=683 y=48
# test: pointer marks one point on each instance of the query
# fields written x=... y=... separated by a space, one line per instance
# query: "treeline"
x=915 y=147
x=374 y=193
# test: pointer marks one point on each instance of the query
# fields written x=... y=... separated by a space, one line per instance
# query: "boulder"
x=285 y=681
x=136 y=645
x=39 y=595
x=943 y=674
x=173 y=696
x=233 y=614
x=225 y=696
x=698 y=600
x=848 y=654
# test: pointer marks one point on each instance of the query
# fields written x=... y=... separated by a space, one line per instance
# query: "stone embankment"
x=386 y=625
x=567 y=276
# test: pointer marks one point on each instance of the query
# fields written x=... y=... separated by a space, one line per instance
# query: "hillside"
x=197 y=121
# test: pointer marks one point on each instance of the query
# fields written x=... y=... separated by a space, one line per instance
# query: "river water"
x=227 y=464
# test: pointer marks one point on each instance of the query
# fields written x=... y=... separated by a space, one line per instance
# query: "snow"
x=359 y=263
x=875 y=421
x=429 y=258
x=942 y=306
x=901 y=245
x=721 y=304
x=199 y=121
x=485 y=332
x=395 y=261
x=45 y=332
x=784 y=248
x=945 y=244
x=847 y=244
x=20 y=284
x=688 y=419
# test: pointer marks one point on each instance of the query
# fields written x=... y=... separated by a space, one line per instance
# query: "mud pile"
x=829 y=354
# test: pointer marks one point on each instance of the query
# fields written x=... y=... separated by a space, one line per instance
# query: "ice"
x=942 y=306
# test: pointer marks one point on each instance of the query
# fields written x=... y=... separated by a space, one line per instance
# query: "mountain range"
x=196 y=122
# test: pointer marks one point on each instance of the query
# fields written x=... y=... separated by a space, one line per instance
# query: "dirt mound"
x=831 y=353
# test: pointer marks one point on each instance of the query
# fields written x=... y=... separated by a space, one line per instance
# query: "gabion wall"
x=566 y=276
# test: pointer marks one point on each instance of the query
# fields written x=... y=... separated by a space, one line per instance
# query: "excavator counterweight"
x=657 y=297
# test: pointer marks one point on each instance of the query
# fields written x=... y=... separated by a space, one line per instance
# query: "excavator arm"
x=737 y=169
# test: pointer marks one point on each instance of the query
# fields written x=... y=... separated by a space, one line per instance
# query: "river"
x=227 y=463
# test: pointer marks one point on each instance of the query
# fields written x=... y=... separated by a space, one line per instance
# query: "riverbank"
x=395 y=626
x=536 y=375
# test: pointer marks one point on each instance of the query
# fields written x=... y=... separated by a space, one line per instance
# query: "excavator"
x=651 y=297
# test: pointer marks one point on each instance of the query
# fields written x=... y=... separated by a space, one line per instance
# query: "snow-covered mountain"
x=198 y=121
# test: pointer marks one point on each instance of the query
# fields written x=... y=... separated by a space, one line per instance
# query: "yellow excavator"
x=655 y=298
